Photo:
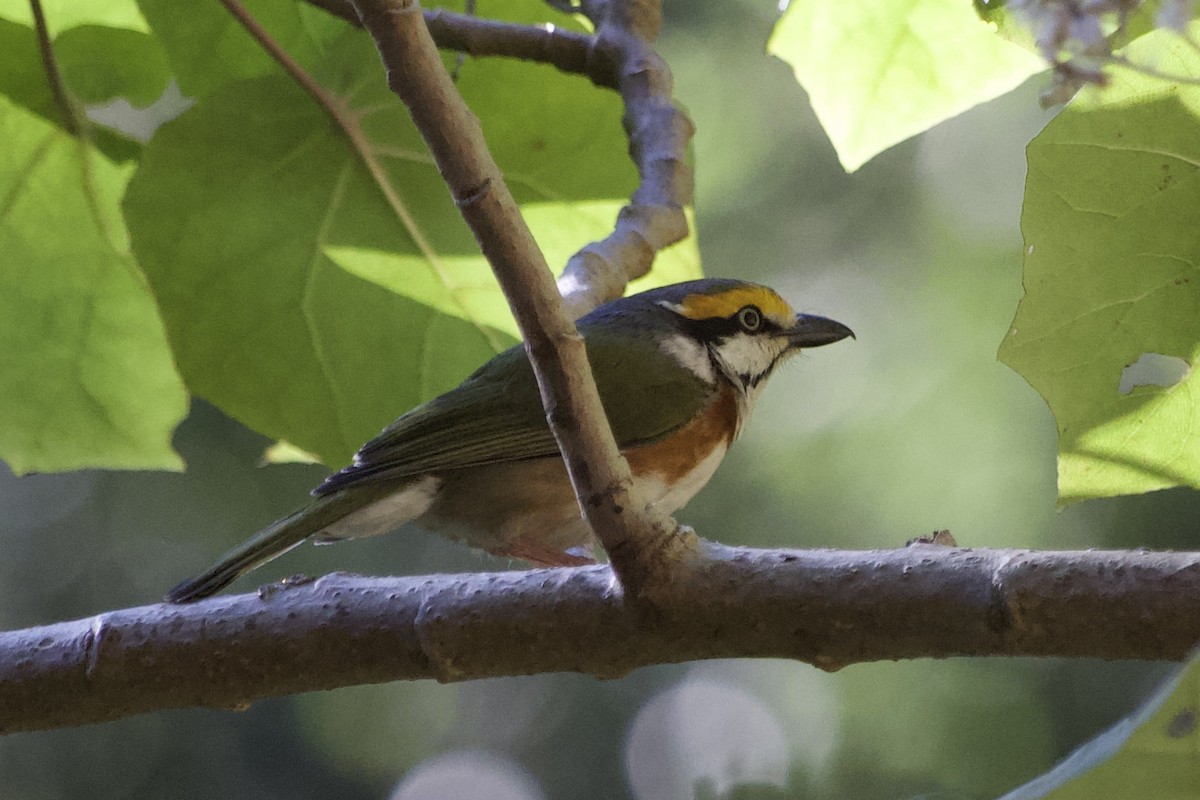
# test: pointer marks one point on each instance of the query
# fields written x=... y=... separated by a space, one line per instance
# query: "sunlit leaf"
x=87 y=378
x=285 y=453
x=63 y=14
x=560 y=229
x=1150 y=753
x=878 y=73
x=1111 y=275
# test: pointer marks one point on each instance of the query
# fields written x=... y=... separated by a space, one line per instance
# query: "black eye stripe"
x=716 y=328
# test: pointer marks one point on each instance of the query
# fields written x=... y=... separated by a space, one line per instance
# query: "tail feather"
x=272 y=541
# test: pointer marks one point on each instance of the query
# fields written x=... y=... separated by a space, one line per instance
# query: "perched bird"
x=678 y=369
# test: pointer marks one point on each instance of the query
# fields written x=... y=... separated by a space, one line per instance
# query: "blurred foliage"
x=1151 y=753
x=912 y=428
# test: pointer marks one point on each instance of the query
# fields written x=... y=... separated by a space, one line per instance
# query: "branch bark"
x=659 y=133
x=643 y=547
x=828 y=608
x=481 y=37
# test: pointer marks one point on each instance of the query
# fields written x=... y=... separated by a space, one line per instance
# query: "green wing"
x=496 y=414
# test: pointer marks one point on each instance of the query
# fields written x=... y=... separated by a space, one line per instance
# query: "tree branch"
x=480 y=37
x=828 y=608
x=643 y=547
x=659 y=133
x=621 y=56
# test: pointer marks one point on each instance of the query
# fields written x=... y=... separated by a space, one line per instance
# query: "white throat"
x=747 y=361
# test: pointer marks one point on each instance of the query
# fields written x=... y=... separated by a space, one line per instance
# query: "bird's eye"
x=750 y=318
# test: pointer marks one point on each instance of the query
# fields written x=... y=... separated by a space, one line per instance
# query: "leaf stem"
x=347 y=122
x=62 y=97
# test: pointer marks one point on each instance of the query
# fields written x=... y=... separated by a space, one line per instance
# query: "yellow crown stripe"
x=727 y=303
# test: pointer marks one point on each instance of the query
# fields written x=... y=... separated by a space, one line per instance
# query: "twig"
x=829 y=608
x=479 y=37
x=642 y=548
x=567 y=50
x=62 y=98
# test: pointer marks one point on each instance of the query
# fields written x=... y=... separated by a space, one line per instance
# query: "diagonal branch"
x=642 y=547
x=830 y=608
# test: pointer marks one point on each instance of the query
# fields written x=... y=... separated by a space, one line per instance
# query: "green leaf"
x=208 y=47
x=23 y=80
x=1111 y=274
x=243 y=205
x=1151 y=753
x=878 y=73
x=22 y=77
x=88 y=375
x=99 y=64
x=560 y=229
x=63 y=14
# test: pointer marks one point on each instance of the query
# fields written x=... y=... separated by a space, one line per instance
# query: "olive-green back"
x=496 y=414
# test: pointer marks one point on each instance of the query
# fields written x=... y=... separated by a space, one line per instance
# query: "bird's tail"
x=273 y=540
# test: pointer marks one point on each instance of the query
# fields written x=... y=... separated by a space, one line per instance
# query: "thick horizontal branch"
x=828 y=608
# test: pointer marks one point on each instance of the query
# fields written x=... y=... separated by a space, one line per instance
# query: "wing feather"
x=496 y=415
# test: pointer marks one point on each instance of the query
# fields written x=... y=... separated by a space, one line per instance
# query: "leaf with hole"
x=1112 y=273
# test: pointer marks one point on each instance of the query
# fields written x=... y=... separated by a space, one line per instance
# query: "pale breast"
x=672 y=470
x=669 y=498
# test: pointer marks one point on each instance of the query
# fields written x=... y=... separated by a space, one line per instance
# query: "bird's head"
x=719 y=327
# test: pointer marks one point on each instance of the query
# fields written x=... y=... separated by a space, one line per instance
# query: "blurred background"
x=911 y=428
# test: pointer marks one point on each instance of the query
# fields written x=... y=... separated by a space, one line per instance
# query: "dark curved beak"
x=812 y=331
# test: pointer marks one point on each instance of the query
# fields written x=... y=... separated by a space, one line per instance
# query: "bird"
x=678 y=369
